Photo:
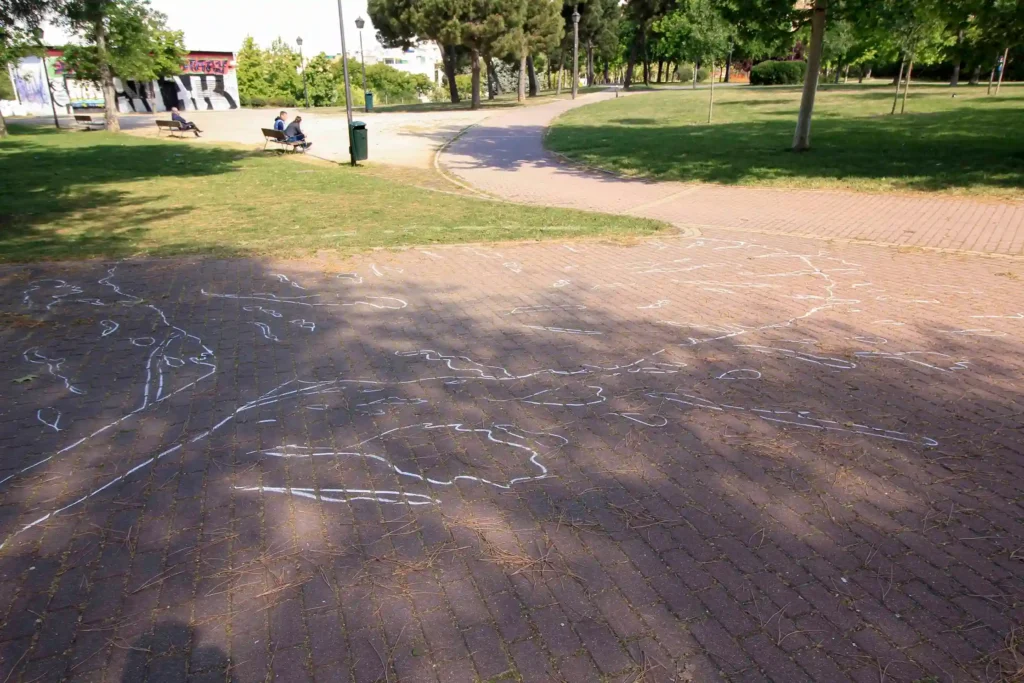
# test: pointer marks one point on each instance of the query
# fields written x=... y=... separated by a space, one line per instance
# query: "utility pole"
x=302 y=62
x=575 y=49
x=348 y=86
x=362 y=56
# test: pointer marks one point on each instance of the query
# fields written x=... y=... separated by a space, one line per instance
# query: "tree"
x=541 y=30
x=19 y=33
x=641 y=15
x=839 y=41
x=802 y=135
x=123 y=38
x=403 y=23
x=283 y=78
x=252 y=71
x=484 y=27
x=322 y=81
x=599 y=31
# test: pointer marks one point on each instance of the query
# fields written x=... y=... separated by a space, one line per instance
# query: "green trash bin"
x=368 y=101
x=359 y=145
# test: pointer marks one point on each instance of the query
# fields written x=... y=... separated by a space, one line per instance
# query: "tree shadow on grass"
x=929 y=152
x=53 y=177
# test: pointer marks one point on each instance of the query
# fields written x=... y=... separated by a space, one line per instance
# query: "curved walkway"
x=505 y=156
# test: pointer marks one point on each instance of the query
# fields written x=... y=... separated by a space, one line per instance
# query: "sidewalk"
x=505 y=156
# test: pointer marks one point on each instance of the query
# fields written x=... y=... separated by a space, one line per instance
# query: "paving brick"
x=680 y=541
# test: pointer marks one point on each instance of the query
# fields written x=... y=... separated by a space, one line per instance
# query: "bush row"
x=685 y=72
x=778 y=73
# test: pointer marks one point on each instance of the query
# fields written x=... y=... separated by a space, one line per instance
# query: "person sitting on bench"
x=281 y=121
x=185 y=125
x=293 y=133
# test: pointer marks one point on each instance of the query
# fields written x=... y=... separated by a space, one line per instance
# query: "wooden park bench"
x=86 y=122
x=174 y=128
x=278 y=138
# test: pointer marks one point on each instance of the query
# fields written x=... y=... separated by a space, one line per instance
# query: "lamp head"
x=360 y=23
x=298 y=41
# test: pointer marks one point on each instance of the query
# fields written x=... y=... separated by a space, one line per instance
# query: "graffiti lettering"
x=205 y=66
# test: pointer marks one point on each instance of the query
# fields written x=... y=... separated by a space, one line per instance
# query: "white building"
x=424 y=59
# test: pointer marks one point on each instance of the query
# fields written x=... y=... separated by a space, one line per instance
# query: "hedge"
x=778 y=73
x=702 y=75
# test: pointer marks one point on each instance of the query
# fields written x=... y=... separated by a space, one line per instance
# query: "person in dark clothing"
x=281 y=121
x=293 y=133
x=185 y=124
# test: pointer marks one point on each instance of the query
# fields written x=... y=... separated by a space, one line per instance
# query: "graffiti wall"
x=207 y=82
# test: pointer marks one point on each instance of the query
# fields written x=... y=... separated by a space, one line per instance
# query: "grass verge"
x=949 y=144
x=87 y=195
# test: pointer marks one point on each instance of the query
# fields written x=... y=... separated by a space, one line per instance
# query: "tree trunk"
x=711 y=102
x=449 y=71
x=474 y=55
x=991 y=78
x=1002 y=68
x=899 y=80
x=531 y=76
x=647 y=57
x=106 y=79
x=906 y=86
x=491 y=78
x=590 y=63
x=627 y=80
x=837 y=75
x=661 y=64
x=607 y=76
x=802 y=136
x=846 y=75
x=561 y=73
x=975 y=75
x=521 y=93
x=954 y=80
x=695 y=67
x=728 y=68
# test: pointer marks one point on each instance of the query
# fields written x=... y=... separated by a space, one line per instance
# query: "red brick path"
x=690 y=459
x=504 y=156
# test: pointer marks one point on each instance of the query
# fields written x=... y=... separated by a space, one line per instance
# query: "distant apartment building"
x=424 y=59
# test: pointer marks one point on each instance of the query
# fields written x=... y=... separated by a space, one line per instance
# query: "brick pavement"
x=690 y=459
x=504 y=156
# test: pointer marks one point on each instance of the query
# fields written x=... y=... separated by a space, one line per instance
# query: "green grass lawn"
x=972 y=143
x=84 y=195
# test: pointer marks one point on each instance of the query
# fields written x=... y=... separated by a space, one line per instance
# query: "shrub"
x=6 y=88
x=778 y=73
x=257 y=102
x=855 y=71
x=281 y=101
x=702 y=75
x=685 y=72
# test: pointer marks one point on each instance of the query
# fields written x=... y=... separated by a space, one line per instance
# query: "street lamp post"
x=362 y=57
x=575 y=49
x=348 y=85
x=305 y=88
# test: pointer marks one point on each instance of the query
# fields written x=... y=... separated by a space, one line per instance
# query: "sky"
x=221 y=25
